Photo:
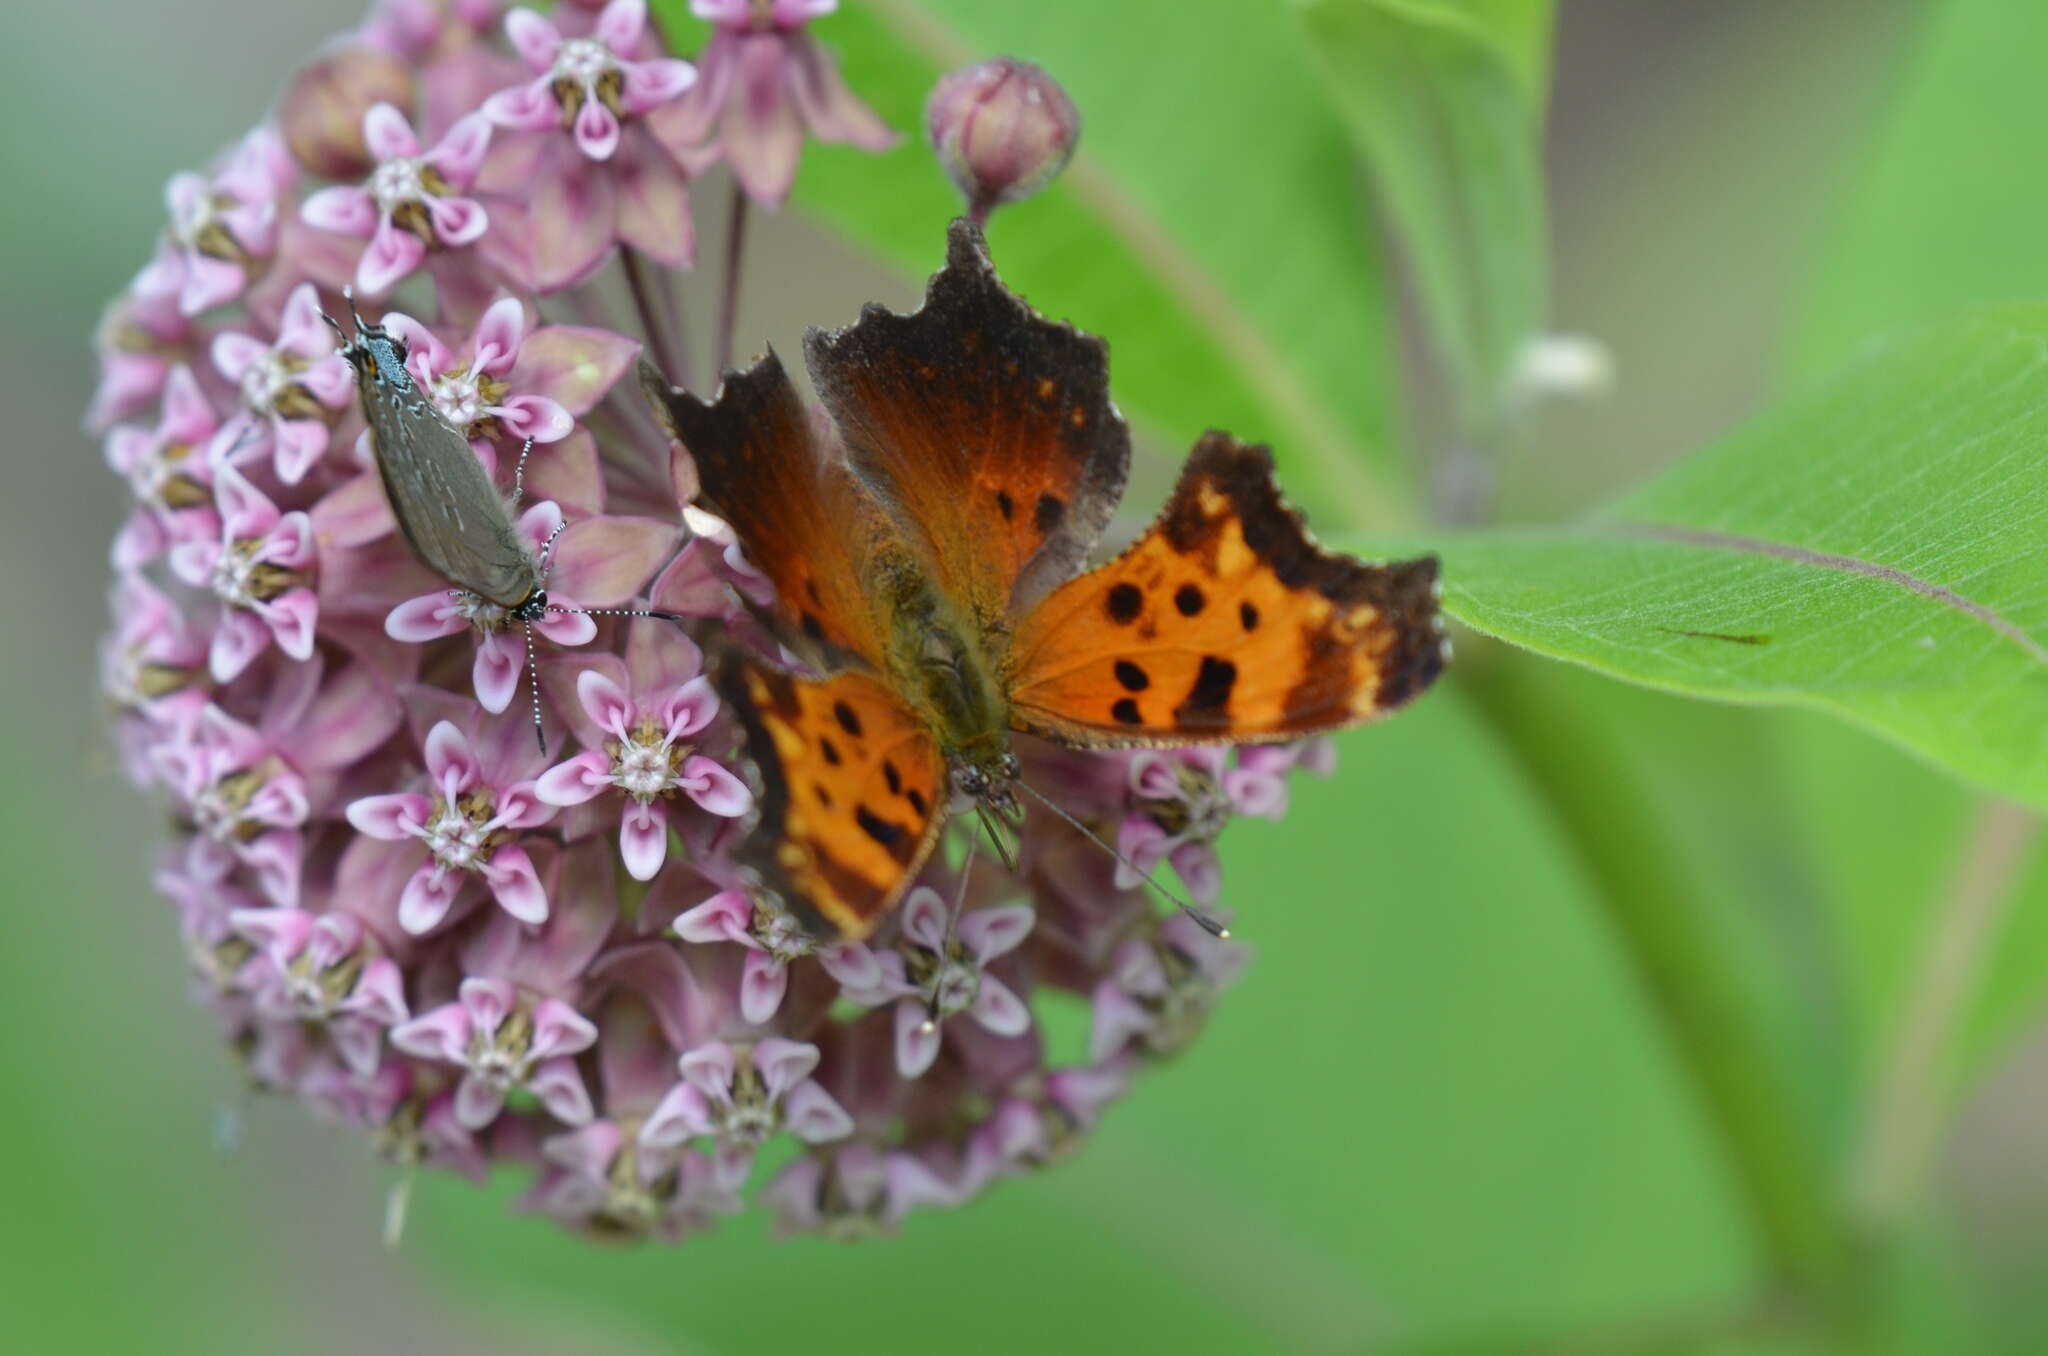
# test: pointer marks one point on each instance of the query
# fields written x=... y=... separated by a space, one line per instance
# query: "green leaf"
x=1212 y=233
x=1444 y=103
x=1878 y=550
x=1948 y=212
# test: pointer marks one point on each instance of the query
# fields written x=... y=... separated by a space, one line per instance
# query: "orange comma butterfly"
x=926 y=573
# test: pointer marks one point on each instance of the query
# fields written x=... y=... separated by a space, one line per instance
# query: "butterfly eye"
x=1010 y=767
x=972 y=780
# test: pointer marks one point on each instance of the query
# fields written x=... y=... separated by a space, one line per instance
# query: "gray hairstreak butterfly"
x=449 y=512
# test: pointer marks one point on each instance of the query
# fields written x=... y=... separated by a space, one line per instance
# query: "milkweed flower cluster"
x=395 y=906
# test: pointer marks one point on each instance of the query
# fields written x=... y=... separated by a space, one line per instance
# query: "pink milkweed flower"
x=479 y=387
x=936 y=972
x=154 y=663
x=260 y=569
x=292 y=389
x=503 y=1040
x=741 y=1096
x=167 y=470
x=1181 y=800
x=325 y=970
x=606 y=1178
x=763 y=82
x=587 y=85
x=579 y=560
x=412 y=201
x=637 y=730
x=1161 y=987
x=139 y=339
x=223 y=225
x=469 y=824
x=774 y=940
x=854 y=1191
x=245 y=798
x=1039 y=1122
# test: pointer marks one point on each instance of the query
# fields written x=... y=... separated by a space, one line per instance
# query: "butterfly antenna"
x=1200 y=919
x=348 y=294
x=533 y=682
x=519 y=478
x=620 y=612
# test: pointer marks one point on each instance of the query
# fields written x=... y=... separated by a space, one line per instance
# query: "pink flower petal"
x=387 y=135
x=715 y=789
x=813 y=1117
x=524 y=108
x=582 y=778
x=449 y=760
x=917 y=1039
x=488 y=1002
x=427 y=898
x=605 y=702
x=460 y=154
x=346 y=210
x=650 y=84
x=596 y=131
x=240 y=637
x=678 y=1118
x=535 y=417
x=998 y=1008
x=427 y=617
x=234 y=353
x=500 y=662
x=559 y=1086
x=567 y=628
x=764 y=980
x=689 y=708
x=571 y=364
x=518 y=889
x=989 y=933
x=389 y=259
x=620 y=24
x=458 y=221
x=603 y=561
x=533 y=37
x=852 y=965
x=442 y=1034
x=643 y=839
x=297 y=444
x=653 y=206
x=924 y=918
x=559 y=1029
x=477 y=1103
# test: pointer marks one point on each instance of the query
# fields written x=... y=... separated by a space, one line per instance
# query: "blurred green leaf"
x=1949 y=210
x=1444 y=105
x=1878 y=550
x=1214 y=234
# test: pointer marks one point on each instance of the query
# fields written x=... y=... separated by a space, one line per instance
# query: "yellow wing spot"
x=1233 y=557
x=1214 y=503
x=1046 y=387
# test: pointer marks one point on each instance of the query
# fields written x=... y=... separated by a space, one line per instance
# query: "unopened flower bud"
x=1002 y=129
x=322 y=111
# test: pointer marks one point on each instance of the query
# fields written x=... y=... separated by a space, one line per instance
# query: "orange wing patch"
x=1224 y=622
x=853 y=793
x=988 y=427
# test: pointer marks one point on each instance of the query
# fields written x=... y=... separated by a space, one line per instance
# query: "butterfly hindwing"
x=852 y=798
x=988 y=428
x=1224 y=623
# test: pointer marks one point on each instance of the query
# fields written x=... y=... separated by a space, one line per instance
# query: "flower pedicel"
x=402 y=915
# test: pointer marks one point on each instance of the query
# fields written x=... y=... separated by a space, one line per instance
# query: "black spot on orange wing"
x=829 y=749
x=1006 y=505
x=1124 y=603
x=886 y=832
x=1207 y=706
x=1132 y=676
x=1125 y=712
x=1189 y=601
x=1047 y=515
x=848 y=721
x=893 y=777
x=917 y=801
x=1248 y=616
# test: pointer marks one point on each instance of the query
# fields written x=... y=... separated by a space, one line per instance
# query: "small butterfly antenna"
x=396 y=1205
x=335 y=325
x=533 y=682
x=348 y=294
x=519 y=478
x=1200 y=919
x=620 y=612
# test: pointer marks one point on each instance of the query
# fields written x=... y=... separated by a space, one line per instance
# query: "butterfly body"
x=923 y=549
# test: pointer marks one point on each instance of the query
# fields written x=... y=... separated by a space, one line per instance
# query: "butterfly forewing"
x=1224 y=623
x=987 y=426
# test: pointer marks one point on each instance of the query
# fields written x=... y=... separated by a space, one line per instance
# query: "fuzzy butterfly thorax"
x=923 y=550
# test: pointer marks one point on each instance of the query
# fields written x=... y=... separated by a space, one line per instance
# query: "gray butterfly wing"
x=450 y=513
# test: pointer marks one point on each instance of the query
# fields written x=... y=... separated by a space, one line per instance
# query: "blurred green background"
x=1439 y=1114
